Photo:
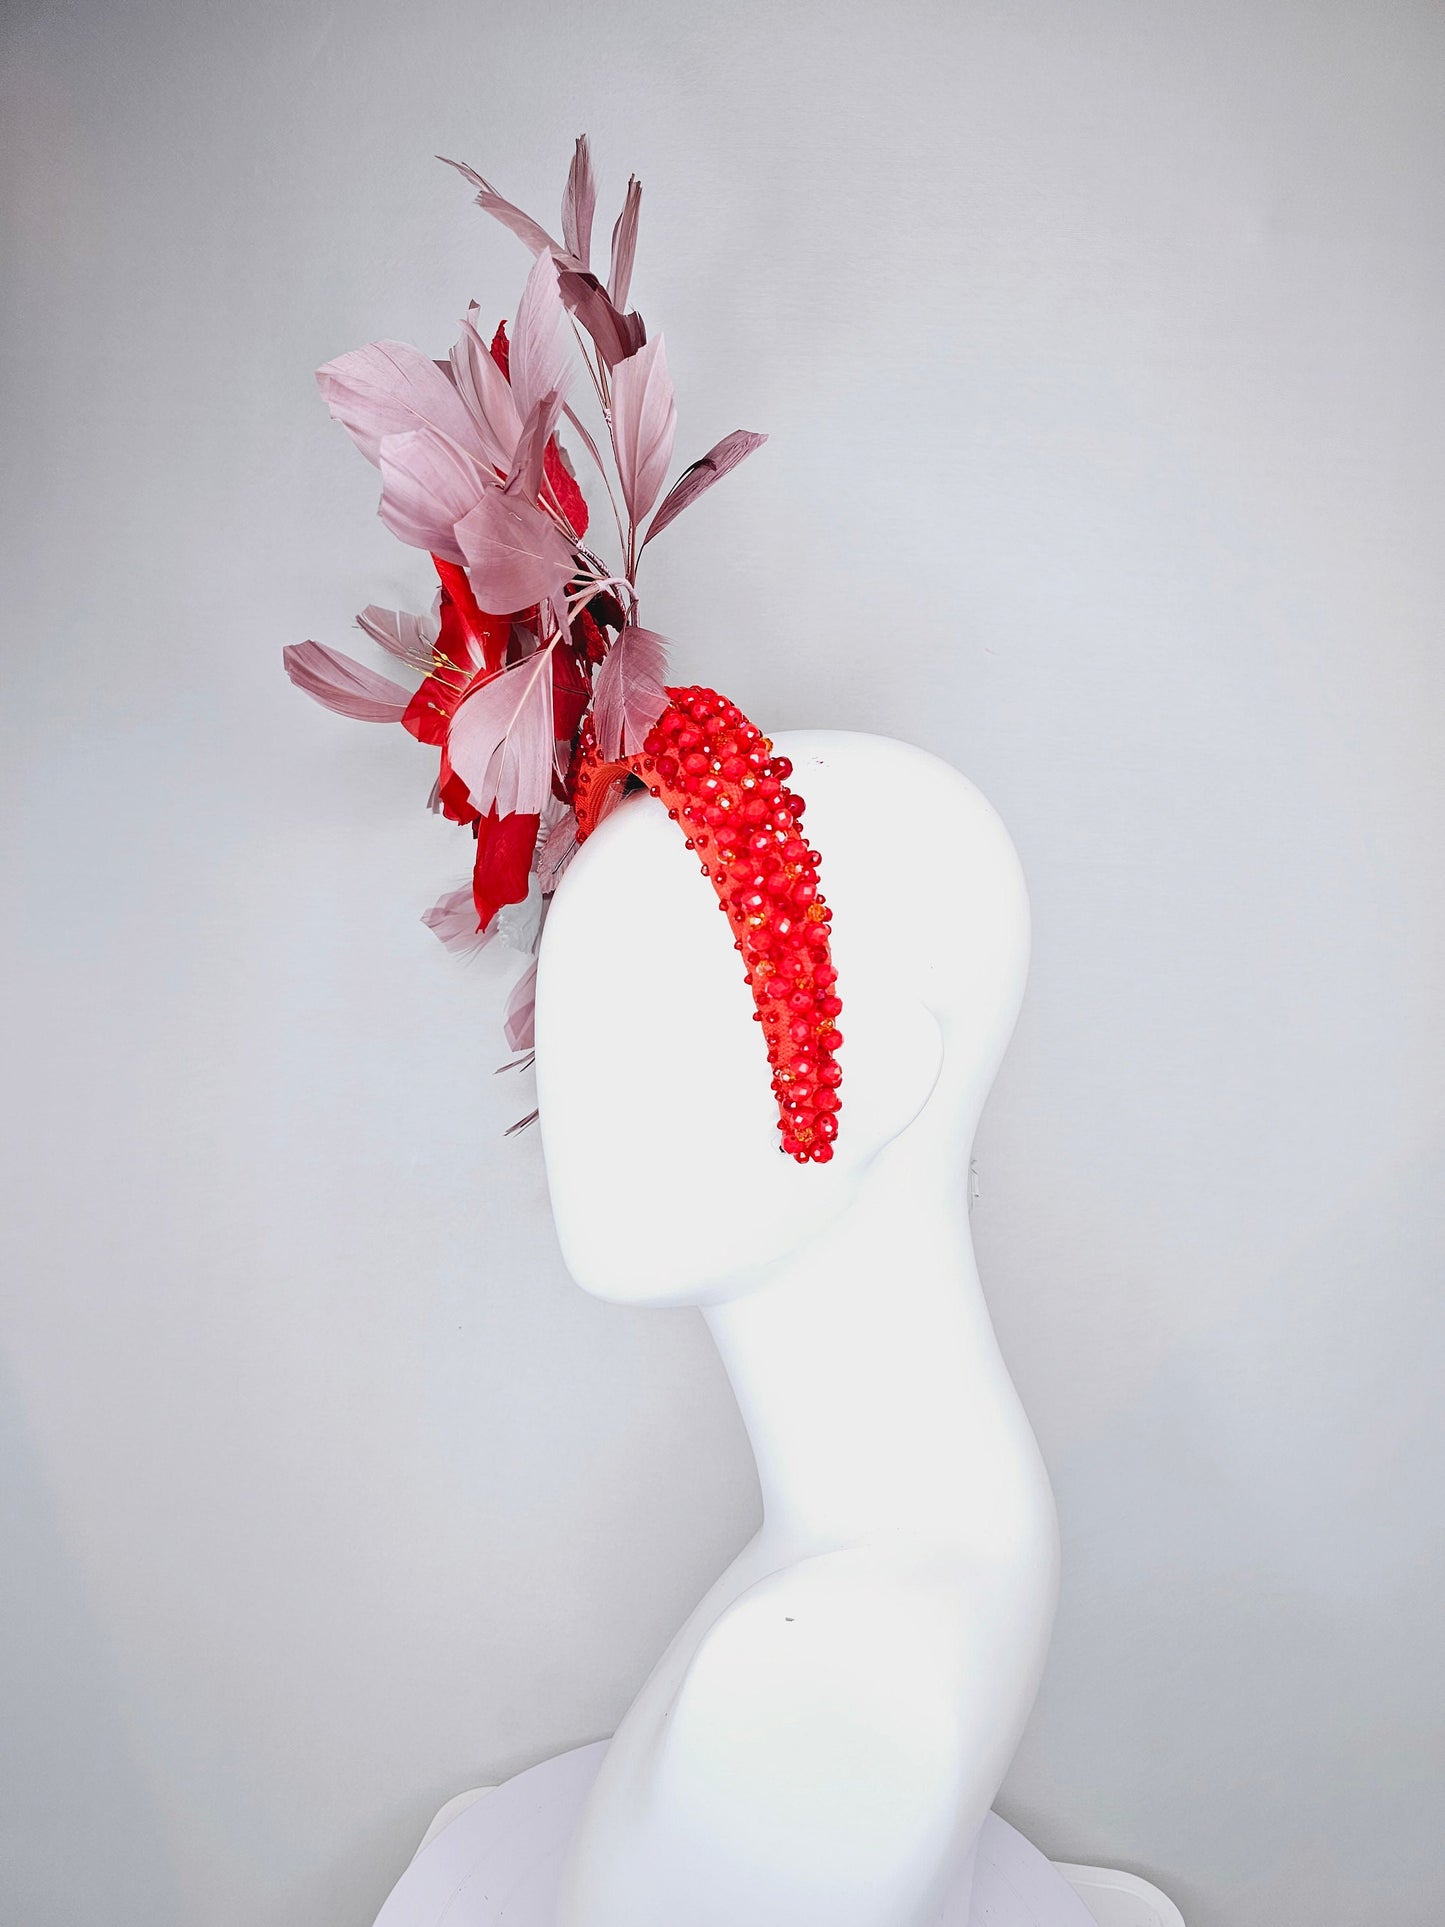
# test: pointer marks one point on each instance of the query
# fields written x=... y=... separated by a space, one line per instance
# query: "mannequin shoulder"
x=890 y=1648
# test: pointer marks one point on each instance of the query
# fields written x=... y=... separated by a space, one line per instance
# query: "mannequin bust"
x=821 y=1742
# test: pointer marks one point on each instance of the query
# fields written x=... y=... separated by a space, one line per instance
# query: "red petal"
x=504 y=862
x=502 y=350
x=487 y=633
x=429 y=712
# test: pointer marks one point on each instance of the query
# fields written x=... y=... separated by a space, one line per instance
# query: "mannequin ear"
x=892 y=1058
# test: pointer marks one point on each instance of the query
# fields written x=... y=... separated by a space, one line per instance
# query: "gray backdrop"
x=1100 y=349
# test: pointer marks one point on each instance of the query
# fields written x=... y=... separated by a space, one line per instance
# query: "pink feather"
x=516 y=555
x=616 y=335
x=624 y=245
x=629 y=691
x=698 y=479
x=389 y=388
x=538 y=359
x=522 y=225
x=409 y=638
x=526 y=476
x=487 y=396
x=427 y=487
x=453 y=918
x=350 y=688
x=519 y=1024
x=644 y=420
x=578 y=202
x=501 y=740
x=555 y=850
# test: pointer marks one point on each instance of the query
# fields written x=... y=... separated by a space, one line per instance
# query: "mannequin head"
x=658 y=1121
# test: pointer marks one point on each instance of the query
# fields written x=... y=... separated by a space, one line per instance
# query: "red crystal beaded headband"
x=723 y=785
x=539 y=687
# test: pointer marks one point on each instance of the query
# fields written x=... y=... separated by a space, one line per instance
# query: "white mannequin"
x=821 y=1742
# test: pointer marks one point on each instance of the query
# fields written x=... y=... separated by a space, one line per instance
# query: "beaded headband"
x=541 y=714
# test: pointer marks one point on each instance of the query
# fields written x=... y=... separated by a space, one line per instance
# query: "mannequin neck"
x=867 y=1373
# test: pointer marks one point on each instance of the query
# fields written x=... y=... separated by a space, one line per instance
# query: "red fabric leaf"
x=504 y=862
x=563 y=485
x=593 y=643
